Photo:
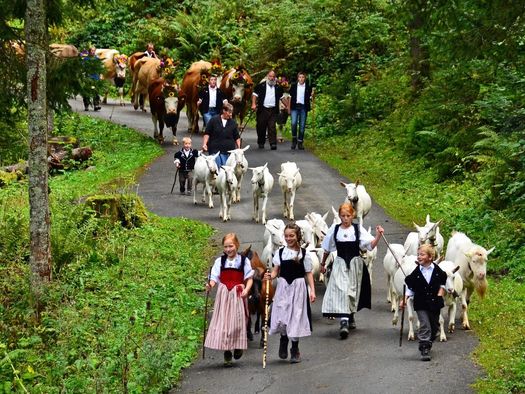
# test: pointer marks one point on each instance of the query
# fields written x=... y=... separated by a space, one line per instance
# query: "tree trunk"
x=39 y=216
x=419 y=64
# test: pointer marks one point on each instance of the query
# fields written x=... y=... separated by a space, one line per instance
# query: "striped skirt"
x=290 y=309
x=344 y=287
x=227 y=328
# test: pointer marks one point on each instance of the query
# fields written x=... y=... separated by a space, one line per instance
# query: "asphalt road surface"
x=370 y=360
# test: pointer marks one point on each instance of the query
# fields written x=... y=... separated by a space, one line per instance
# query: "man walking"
x=265 y=99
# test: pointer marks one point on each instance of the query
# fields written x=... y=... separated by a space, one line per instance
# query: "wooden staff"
x=205 y=315
x=265 y=334
x=174 y=180
x=404 y=290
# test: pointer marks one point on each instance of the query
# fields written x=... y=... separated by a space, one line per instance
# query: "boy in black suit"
x=185 y=162
x=427 y=285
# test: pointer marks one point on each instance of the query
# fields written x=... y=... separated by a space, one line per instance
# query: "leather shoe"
x=237 y=354
x=273 y=147
x=344 y=331
x=261 y=146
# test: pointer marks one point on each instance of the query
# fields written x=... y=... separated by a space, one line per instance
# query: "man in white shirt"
x=265 y=99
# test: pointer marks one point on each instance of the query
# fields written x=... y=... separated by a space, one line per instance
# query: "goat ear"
x=246 y=148
x=428 y=219
x=357 y=183
x=325 y=216
x=491 y=250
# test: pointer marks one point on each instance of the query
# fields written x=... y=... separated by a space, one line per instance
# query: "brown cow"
x=257 y=297
x=145 y=71
x=237 y=85
x=166 y=101
x=62 y=51
x=190 y=86
x=115 y=65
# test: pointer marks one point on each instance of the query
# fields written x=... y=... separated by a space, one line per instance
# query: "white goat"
x=337 y=219
x=407 y=266
x=205 y=172
x=238 y=161
x=273 y=239
x=319 y=226
x=262 y=184
x=307 y=234
x=361 y=202
x=226 y=186
x=453 y=288
x=391 y=266
x=427 y=234
x=289 y=180
x=369 y=256
x=472 y=262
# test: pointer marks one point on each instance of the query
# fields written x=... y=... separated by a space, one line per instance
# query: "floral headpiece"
x=238 y=76
x=216 y=69
x=84 y=53
x=168 y=69
x=119 y=59
x=283 y=82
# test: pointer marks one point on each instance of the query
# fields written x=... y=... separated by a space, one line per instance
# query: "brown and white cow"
x=166 y=101
x=145 y=71
x=237 y=85
x=190 y=86
x=115 y=65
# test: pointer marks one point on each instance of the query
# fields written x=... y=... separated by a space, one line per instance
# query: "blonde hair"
x=348 y=208
x=232 y=237
x=428 y=249
x=186 y=139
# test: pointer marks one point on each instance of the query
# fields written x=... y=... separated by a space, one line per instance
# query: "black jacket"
x=260 y=91
x=307 y=96
x=204 y=95
x=425 y=294
x=187 y=163
x=222 y=139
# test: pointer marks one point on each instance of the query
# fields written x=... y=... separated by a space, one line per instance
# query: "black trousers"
x=266 y=118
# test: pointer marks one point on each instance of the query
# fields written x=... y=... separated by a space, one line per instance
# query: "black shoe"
x=283 y=347
x=261 y=146
x=344 y=330
x=227 y=358
x=425 y=354
x=99 y=108
x=294 y=143
x=295 y=355
x=273 y=147
x=351 y=322
x=237 y=354
x=86 y=108
x=300 y=145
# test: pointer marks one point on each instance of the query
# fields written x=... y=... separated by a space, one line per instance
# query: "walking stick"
x=265 y=351
x=205 y=317
x=241 y=129
x=404 y=290
x=174 y=180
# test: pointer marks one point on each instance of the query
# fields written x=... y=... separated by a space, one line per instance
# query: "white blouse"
x=289 y=254
x=231 y=263
x=347 y=235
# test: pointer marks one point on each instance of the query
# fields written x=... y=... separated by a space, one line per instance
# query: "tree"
x=39 y=226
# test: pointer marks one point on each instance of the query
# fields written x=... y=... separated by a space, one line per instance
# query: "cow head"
x=121 y=64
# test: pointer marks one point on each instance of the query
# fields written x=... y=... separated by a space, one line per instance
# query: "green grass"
x=407 y=190
x=125 y=308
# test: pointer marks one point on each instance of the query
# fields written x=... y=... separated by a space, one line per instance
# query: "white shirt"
x=224 y=121
x=346 y=235
x=427 y=274
x=213 y=97
x=269 y=98
x=301 y=89
x=290 y=254
x=234 y=263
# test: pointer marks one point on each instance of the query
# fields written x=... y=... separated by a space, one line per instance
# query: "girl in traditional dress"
x=349 y=287
x=291 y=315
x=234 y=276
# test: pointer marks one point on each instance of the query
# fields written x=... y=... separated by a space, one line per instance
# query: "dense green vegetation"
x=433 y=88
x=124 y=309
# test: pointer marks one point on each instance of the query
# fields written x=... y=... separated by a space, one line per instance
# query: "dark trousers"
x=298 y=117
x=266 y=118
x=428 y=327
x=87 y=100
x=183 y=177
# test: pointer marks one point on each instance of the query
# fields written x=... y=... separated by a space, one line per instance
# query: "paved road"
x=370 y=360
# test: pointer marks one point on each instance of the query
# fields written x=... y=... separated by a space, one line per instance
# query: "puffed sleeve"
x=365 y=239
x=308 y=266
x=328 y=243
x=216 y=270
x=276 y=259
x=248 y=271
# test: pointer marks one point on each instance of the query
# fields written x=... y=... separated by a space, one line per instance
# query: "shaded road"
x=370 y=360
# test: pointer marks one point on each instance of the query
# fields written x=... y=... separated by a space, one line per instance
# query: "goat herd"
x=464 y=261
